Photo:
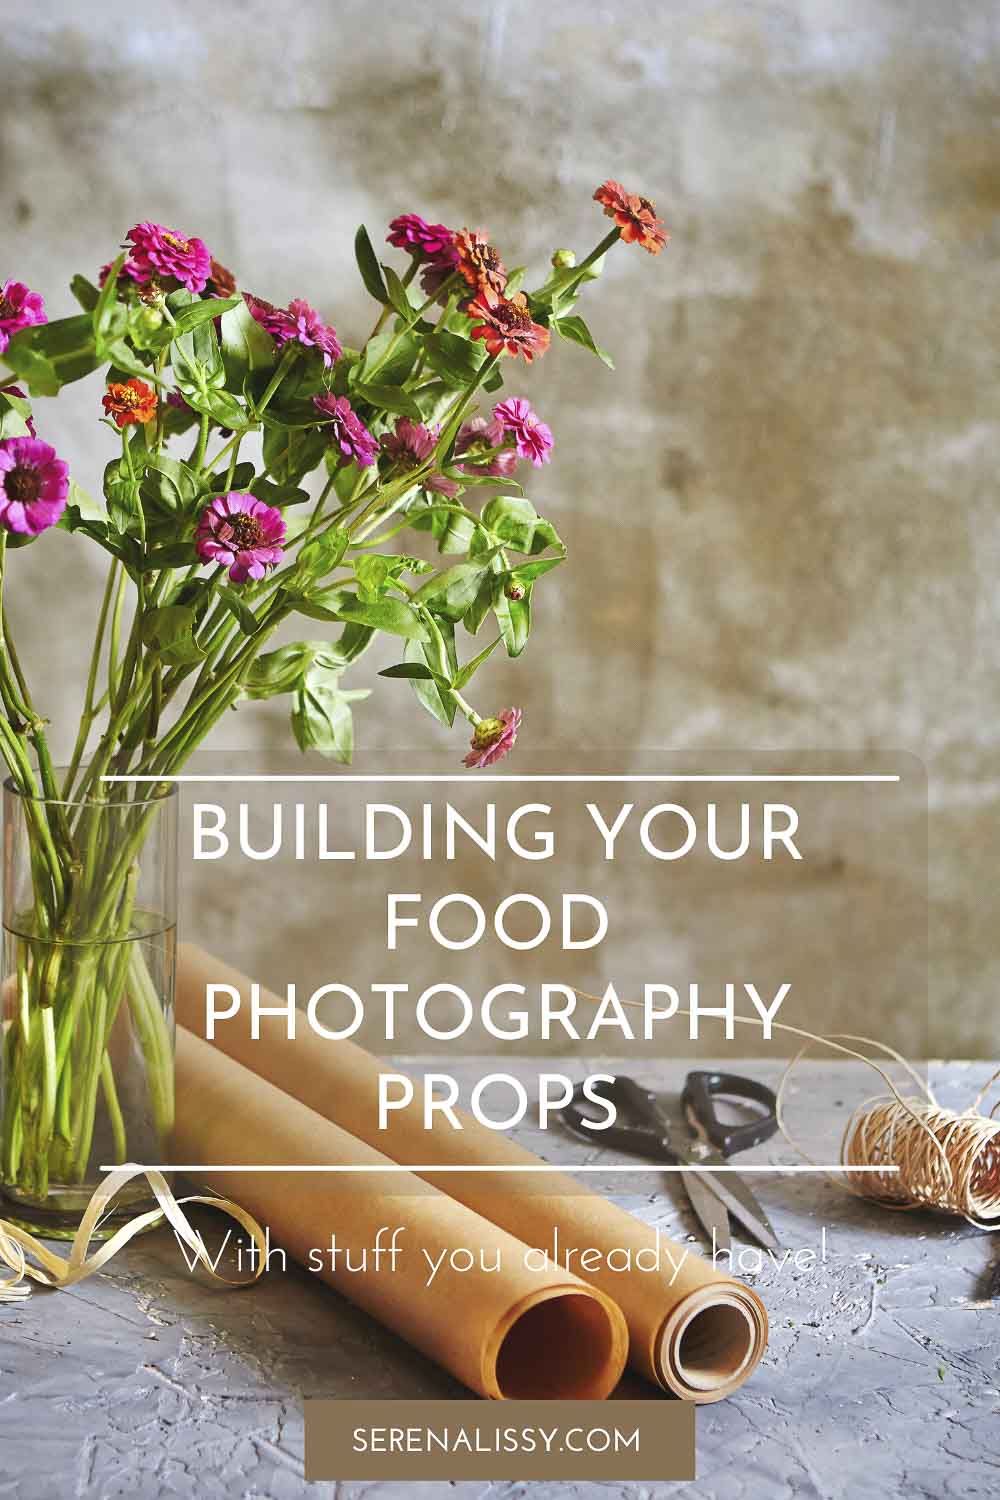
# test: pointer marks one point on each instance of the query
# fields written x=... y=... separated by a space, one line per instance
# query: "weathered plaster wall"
x=781 y=509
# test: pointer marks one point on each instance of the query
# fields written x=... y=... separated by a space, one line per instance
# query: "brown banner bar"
x=644 y=1440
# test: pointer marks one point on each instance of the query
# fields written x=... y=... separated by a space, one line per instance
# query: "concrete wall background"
x=781 y=509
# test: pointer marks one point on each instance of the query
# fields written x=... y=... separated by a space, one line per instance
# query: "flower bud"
x=514 y=590
x=563 y=260
x=487 y=732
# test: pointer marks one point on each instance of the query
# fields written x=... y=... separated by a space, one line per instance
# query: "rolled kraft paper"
x=696 y=1332
x=517 y=1333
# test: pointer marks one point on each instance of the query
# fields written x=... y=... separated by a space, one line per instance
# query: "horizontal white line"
x=471 y=780
x=483 y=1167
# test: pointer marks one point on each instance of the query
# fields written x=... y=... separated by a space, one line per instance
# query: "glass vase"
x=86 y=1003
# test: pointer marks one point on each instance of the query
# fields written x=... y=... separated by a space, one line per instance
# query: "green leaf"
x=323 y=553
x=103 y=320
x=451 y=591
x=244 y=616
x=124 y=361
x=472 y=667
x=455 y=360
x=513 y=519
x=204 y=310
x=482 y=604
x=169 y=482
x=172 y=555
x=415 y=670
x=576 y=331
x=514 y=619
x=392 y=615
x=122 y=496
x=453 y=531
x=14 y=414
x=392 y=368
x=50 y=355
x=431 y=695
x=390 y=398
x=85 y=292
x=322 y=719
x=281 y=671
x=368 y=265
x=169 y=633
x=529 y=571
x=81 y=508
x=246 y=346
x=396 y=292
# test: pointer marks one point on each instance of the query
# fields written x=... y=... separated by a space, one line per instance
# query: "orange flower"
x=504 y=323
x=131 y=401
x=479 y=262
x=634 y=215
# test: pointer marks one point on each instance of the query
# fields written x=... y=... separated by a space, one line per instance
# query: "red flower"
x=131 y=401
x=505 y=324
x=479 y=262
x=221 y=281
x=634 y=215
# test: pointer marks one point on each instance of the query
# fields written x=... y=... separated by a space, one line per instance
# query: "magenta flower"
x=304 y=324
x=297 y=321
x=478 y=438
x=15 y=390
x=410 y=446
x=430 y=241
x=532 y=438
x=492 y=739
x=19 y=308
x=33 y=485
x=347 y=430
x=242 y=533
x=157 y=252
x=433 y=244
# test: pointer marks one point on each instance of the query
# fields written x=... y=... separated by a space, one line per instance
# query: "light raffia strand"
x=948 y=1160
x=52 y=1270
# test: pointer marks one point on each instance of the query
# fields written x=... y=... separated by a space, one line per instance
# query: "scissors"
x=642 y=1129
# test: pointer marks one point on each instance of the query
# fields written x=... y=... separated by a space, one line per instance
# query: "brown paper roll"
x=698 y=1333
x=516 y=1333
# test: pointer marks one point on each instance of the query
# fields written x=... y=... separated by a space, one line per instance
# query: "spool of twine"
x=941 y=1158
x=946 y=1160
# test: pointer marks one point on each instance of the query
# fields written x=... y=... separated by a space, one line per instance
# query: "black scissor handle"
x=639 y=1126
x=698 y=1100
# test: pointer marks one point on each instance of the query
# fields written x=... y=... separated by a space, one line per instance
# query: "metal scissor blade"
x=732 y=1191
x=712 y=1213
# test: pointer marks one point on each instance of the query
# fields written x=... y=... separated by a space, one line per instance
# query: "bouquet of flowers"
x=209 y=552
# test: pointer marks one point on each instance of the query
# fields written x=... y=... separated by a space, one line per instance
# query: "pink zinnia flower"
x=242 y=533
x=297 y=321
x=270 y=318
x=347 y=430
x=410 y=446
x=430 y=241
x=492 y=739
x=479 y=437
x=19 y=308
x=34 y=484
x=304 y=324
x=532 y=437
x=15 y=390
x=158 y=252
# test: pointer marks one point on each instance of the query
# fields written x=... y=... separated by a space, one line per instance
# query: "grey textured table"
x=881 y=1378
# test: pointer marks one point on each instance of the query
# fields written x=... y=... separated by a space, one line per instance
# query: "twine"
x=52 y=1270
x=947 y=1160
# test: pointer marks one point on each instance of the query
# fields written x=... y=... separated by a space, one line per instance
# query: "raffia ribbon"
x=49 y=1269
